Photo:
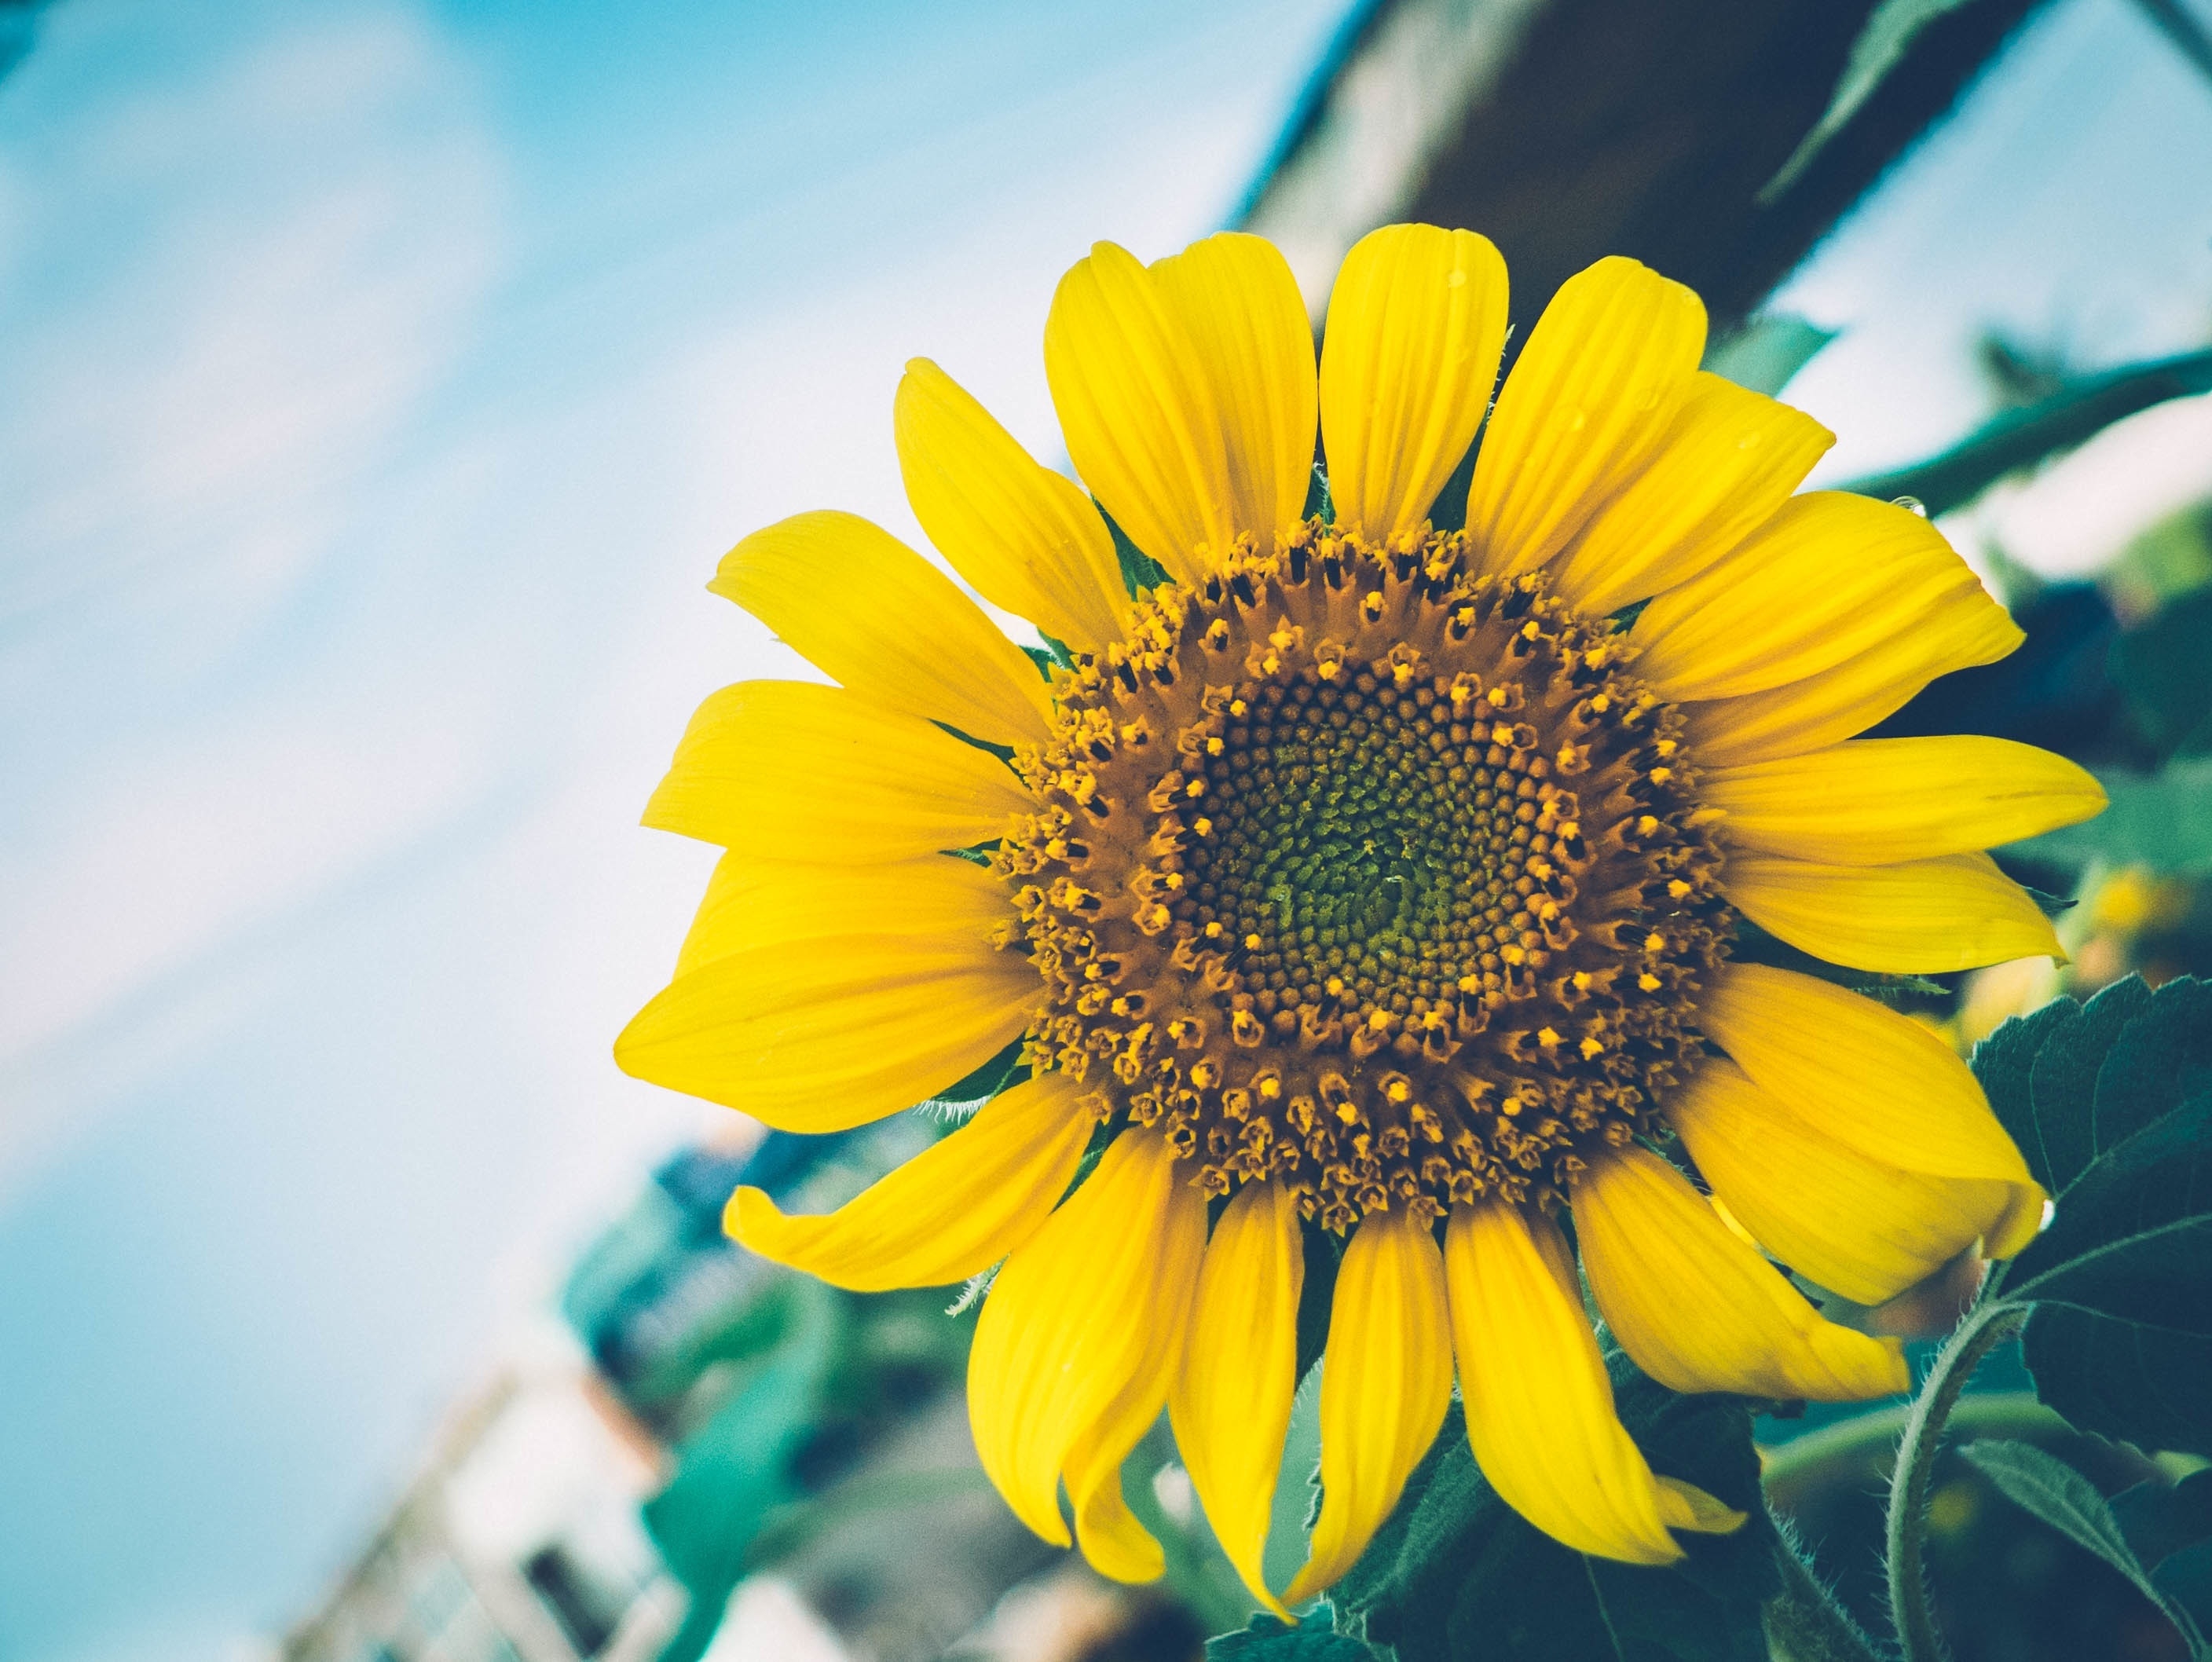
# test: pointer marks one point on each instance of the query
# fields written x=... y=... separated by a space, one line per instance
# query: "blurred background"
x=380 y=381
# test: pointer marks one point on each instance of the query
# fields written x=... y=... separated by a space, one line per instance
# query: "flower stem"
x=1980 y=1333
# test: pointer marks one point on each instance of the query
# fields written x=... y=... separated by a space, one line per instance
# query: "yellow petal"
x=1594 y=393
x=1961 y=629
x=753 y=902
x=1232 y=1402
x=1384 y=1387
x=1854 y=1225
x=1917 y=918
x=1700 y=1311
x=1877 y=801
x=853 y=1028
x=1828 y=576
x=1028 y=539
x=1082 y=1329
x=867 y=609
x=951 y=1211
x=1240 y=306
x=1877 y=1082
x=1729 y=461
x=1137 y=410
x=775 y=768
x=1416 y=322
x=1540 y=1411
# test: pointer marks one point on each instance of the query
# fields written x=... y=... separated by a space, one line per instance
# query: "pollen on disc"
x=1361 y=872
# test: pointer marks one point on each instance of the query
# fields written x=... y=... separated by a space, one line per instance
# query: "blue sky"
x=385 y=380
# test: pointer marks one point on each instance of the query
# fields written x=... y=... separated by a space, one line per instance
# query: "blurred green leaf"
x=1457 y=1575
x=2162 y=666
x=2021 y=438
x=1880 y=46
x=2160 y=1519
x=735 y=1471
x=2163 y=821
x=2063 y=1498
x=1768 y=351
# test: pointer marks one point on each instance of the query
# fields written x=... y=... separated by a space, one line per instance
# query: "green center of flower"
x=1366 y=853
x=1360 y=871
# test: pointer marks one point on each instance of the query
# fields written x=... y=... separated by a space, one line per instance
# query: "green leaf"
x=2163 y=821
x=2076 y=1085
x=1768 y=351
x=1455 y=1575
x=2161 y=1059
x=2132 y=1237
x=2148 y=1385
x=1267 y=1639
x=2034 y=432
x=2039 y=1071
x=1880 y=46
x=2159 y=1519
x=2160 y=668
x=2063 y=1498
x=734 y=1471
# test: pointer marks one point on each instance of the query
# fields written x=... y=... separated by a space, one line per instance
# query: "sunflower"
x=1364 y=890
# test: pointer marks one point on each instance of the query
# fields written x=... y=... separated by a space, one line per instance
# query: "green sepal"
x=1267 y=1639
x=1140 y=571
x=1457 y=1575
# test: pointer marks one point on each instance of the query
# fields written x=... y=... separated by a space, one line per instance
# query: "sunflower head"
x=1364 y=887
x=1421 y=891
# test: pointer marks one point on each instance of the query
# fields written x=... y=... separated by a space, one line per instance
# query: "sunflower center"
x=1360 y=870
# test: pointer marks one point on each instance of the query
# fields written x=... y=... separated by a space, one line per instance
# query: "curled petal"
x=1078 y=1338
x=951 y=1211
x=1875 y=1080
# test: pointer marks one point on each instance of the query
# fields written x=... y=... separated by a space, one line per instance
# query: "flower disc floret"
x=1365 y=870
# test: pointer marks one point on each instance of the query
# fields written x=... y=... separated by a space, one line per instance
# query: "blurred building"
x=518 y=1540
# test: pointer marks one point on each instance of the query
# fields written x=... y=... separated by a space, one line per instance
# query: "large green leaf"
x=2069 y=1504
x=2079 y=410
x=1882 y=42
x=734 y=1471
x=2122 y=1347
x=1455 y=1575
x=2159 y=1519
x=2132 y=1237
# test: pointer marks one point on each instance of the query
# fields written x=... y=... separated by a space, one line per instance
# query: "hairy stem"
x=1804 y=1622
x=1980 y=1333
